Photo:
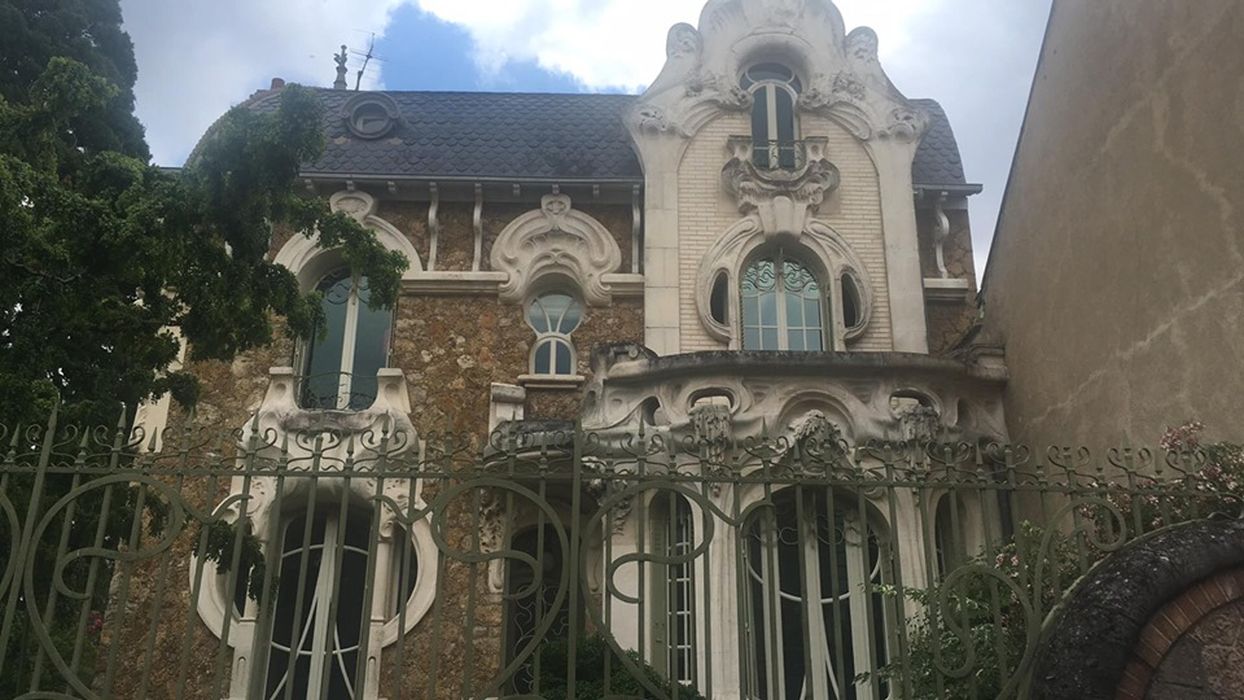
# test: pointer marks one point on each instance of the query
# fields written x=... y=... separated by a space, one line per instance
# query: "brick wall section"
x=947 y=322
x=1193 y=648
x=705 y=211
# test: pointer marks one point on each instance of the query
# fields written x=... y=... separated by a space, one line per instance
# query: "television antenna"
x=367 y=57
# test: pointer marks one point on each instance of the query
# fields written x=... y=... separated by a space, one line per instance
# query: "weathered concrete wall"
x=1117 y=274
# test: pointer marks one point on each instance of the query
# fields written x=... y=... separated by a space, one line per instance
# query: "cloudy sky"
x=198 y=57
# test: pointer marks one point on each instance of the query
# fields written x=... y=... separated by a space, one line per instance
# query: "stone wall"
x=451 y=349
x=948 y=320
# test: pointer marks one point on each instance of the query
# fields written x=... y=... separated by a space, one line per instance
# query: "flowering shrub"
x=973 y=630
x=1196 y=480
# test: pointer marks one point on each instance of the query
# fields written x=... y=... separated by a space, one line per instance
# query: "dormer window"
x=774 y=88
x=346 y=350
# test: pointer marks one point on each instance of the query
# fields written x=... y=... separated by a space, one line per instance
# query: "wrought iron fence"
x=551 y=562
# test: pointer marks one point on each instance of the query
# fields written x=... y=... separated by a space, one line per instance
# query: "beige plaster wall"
x=1117 y=273
x=706 y=210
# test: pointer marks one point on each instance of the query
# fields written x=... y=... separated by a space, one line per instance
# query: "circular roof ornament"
x=370 y=115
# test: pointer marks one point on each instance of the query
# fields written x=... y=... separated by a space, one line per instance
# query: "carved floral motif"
x=556 y=239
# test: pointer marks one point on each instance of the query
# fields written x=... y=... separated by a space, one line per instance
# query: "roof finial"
x=340 y=82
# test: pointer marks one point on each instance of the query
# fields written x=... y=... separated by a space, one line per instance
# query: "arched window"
x=344 y=353
x=554 y=317
x=815 y=616
x=782 y=306
x=774 y=89
x=674 y=618
x=318 y=619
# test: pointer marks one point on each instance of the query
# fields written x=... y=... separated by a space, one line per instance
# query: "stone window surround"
x=277 y=415
x=820 y=246
x=309 y=262
x=553 y=284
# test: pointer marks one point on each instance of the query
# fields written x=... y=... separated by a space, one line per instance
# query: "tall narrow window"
x=674 y=628
x=774 y=88
x=782 y=306
x=348 y=348
x=815 y=616
x=319 y=607
x=554 y=317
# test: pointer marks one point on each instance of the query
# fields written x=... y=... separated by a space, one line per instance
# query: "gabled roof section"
x=543 y=136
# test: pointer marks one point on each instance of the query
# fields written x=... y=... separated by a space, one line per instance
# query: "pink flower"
x=95 y=623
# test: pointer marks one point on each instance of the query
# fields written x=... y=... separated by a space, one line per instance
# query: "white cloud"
x=196 y=58
x=620 y=43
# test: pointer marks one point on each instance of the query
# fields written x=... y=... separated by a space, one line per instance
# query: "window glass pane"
x=785 y=128
x=760 y=128
x=544 y=358
x=768 y=338
x=751 y=338
x=323 y=364
x=536 y=316
x=751 y=311
x=371 y=349
x=572 y=314
x=563 y=358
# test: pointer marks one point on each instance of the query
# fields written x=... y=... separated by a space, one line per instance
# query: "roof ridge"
x=491 y=93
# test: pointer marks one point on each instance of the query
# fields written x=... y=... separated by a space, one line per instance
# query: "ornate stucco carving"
x=828 y=250
x=776 y=393
x=556 y=240
x=843 y=78
x=782 y=199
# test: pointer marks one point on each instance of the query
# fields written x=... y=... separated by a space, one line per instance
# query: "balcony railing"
x=779 y=155
x=550 y=563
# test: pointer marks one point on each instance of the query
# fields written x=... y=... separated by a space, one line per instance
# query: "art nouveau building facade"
x=772 y=239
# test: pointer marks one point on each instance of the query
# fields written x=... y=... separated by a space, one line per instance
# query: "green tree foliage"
x=103 y=255
x=104 y=258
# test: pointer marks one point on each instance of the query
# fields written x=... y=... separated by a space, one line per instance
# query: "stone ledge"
x=947 y=289
x=551 y=381
x=454 y=283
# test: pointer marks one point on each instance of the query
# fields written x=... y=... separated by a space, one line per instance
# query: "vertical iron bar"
x=22 y=554
x=574 y=579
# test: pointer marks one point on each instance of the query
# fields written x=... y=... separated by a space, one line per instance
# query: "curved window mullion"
x=782 y=306
x=553 y=317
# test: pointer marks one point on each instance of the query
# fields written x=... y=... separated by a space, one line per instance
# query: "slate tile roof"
x=527 y=135
x=937 y=159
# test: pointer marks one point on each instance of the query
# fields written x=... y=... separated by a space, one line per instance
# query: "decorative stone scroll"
x=781 y=198
x=843 y=78
x=556 y=240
